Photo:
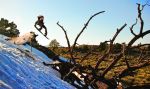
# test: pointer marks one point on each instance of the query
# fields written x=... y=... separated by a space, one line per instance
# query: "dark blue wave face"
x=18 y=70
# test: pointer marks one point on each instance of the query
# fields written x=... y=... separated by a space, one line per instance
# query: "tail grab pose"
x=40 y=23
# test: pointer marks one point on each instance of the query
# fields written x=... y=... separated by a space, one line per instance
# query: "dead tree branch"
x=131 y=28
x=112 y=64
x=68 y=42
x=85 y=28
x=140 y=17
x=147 y=4
x=132 y=68
x=118 y=31
x=75 y=42
x=124 y=55
x=110 y=46
x=135 y=38
x=118 y=56
x=121 y=54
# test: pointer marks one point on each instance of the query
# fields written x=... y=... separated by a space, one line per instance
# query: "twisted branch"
x=131 y=28
x=140 y=17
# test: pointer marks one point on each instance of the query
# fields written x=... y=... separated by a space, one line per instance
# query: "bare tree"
x=135 y=38
x=71 y=49
x=100 y=76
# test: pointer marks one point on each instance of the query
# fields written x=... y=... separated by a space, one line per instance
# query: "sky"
x=72 y=15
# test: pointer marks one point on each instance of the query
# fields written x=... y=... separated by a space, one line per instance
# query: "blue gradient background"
x=73 y=14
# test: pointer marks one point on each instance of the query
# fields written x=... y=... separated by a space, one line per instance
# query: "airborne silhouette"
x=40 y=23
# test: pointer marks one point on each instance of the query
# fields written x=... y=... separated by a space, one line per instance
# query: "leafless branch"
x=85 y=28
x=112 y=64
x=118 y=31
x=147 y=4
x=75 y=42
x=140 y=17
x=109 y=51
x=121 y=54
x=69 y=72
x=131 y=28
x=124 y=55
x=132 y=68
x=137 y=37
x=68 y=42
x=110 y=47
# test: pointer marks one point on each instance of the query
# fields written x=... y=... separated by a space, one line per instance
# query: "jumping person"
x=41 y=24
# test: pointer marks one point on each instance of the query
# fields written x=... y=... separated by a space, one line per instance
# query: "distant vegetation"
x=141 y=76
x=8 y=28
x=54 y=44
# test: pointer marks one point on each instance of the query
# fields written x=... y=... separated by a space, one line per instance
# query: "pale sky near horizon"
x=72 y=15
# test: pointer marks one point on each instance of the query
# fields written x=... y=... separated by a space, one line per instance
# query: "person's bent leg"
x=45 y=30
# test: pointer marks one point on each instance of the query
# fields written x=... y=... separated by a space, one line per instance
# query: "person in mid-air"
x=41 y=24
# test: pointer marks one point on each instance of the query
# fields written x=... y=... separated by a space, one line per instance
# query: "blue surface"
x=18 y=70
